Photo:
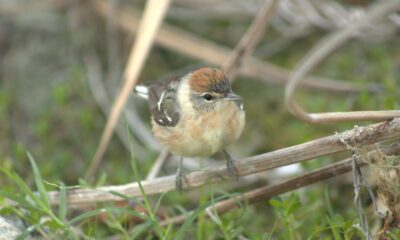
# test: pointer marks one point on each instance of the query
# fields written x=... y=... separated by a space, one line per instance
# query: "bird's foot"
x=180 y=177
x=230 y=163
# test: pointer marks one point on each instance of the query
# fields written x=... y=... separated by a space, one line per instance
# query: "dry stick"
x=153 y=14
x=155 y=169
x=267 y=192
x=103 y=100
x=139 y=128
x=100 y=95
x=321 y=51
x=249 y=40
x=370 y=134
x=188 y=44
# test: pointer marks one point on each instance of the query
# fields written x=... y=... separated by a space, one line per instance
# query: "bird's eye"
x=208 y=97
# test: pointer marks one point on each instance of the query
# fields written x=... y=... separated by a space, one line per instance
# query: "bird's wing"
x=163 y=102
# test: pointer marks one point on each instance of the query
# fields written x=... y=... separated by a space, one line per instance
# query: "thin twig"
x=152 y=17
x=267 y=192
x=370 y=134
x=101 y=97
x=249 y=40
x=193 y=46
x=155 y=169
x=321 y=51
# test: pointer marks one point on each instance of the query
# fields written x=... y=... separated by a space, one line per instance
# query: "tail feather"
x=142 y=91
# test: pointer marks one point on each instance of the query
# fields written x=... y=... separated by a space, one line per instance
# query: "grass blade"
x=25 y=189
x=39 y=181
x=14 y=197
x=62 y=209
x=189 y=221
x=334 y=228
x=123 y=196
x=157 y=228
x=140 y=229
x=96 y=212
x=29 y=230
x=157 y=206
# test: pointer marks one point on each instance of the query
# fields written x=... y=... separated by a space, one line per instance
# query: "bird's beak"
x=233 y=97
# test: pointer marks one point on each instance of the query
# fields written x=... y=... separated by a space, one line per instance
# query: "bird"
x=195 y=114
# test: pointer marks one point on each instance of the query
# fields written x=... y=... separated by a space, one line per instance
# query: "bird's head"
x=211 y=91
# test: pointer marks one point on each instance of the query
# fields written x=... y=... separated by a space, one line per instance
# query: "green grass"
x=290 y=217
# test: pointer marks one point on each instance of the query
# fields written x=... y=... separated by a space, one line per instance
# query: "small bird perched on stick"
x=195 y=115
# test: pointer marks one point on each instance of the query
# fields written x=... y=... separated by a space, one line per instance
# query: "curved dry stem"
x=320 y=52
x=188 y=44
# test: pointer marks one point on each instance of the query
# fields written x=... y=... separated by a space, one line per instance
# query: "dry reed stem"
x=99 y=92
x=152 y=17
x=101 y=96
x=188 y=44
x=267 y=192
x=320 y=51
x=370 y=134
x=249 y=40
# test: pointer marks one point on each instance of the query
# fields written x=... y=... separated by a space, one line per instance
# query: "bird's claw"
x=232 y=170
x=180 y=177
x=230 y=163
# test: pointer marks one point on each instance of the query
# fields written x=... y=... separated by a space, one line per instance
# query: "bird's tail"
x=142 y=91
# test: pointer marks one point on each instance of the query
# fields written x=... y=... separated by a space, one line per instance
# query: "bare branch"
x=100 y=95
x=321 y=51
x=370 y=134
x=96 y=85
x=193 y=46
x=249 y=40
x=155 y=169
x=267 y=192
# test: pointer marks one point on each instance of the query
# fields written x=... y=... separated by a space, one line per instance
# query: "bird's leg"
x=230 y=163
x=179 y=176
